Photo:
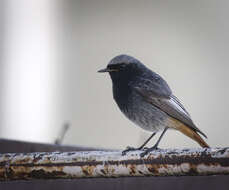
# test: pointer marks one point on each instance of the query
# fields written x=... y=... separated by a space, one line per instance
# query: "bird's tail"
x=190 y=133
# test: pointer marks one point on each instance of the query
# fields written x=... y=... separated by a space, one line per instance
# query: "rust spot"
x=88 y=170
x=85 y=172
x=153 y=169
x=193 y=169
x=2 y=173
x=29 y=173
x=112 y=170
x=210 y=164
x=103 y=171
x=9 y=173
x=38 y=173
x=25 y=160
x=41 y=173
x=132 y=169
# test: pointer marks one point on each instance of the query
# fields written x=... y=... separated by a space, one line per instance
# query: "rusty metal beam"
x=68 y=165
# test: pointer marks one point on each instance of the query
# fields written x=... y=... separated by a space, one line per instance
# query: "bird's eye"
x=121 y=64
x=117 y=66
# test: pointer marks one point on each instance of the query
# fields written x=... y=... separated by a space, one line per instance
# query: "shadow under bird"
x=146 y=99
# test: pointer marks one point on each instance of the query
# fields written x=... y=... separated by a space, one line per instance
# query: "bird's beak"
x=107 y=70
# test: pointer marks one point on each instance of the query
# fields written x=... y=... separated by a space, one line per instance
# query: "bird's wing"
x=153 y=83
x=168 y=104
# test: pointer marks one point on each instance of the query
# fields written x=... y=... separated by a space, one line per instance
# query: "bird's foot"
x=128 y=149
x=147 y=150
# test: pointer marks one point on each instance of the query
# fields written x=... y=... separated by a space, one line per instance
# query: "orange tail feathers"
x=190 y=133
x=193 y=135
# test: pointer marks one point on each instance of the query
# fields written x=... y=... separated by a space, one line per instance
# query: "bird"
x=146 y=99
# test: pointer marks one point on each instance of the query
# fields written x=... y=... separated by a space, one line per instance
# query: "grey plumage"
x=144 y=96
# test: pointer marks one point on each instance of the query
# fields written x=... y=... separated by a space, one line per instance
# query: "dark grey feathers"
x=140 y=92
x=171 y=106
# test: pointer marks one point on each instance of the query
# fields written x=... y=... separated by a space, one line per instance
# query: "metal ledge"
x=69 y=165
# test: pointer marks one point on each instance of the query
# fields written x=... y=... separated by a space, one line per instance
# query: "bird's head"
x=123 y=67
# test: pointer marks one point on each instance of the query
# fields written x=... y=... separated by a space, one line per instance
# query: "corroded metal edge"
x=166 y=162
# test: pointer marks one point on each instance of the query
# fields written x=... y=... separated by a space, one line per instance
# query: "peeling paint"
x=167 y=162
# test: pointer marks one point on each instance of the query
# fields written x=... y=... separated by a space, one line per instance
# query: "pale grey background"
x=51 y=51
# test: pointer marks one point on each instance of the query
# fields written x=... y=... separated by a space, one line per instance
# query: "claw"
x=148 y=150
x=128 y=148
x=145 y=148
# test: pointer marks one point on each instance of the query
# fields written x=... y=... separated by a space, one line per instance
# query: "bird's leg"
x=155 y=147
x=139 y=148
x=142 y=146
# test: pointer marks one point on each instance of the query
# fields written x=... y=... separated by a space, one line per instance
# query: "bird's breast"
x=135 y=108
x=122 y=96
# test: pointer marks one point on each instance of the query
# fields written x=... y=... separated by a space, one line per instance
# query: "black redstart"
x=146 y=99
